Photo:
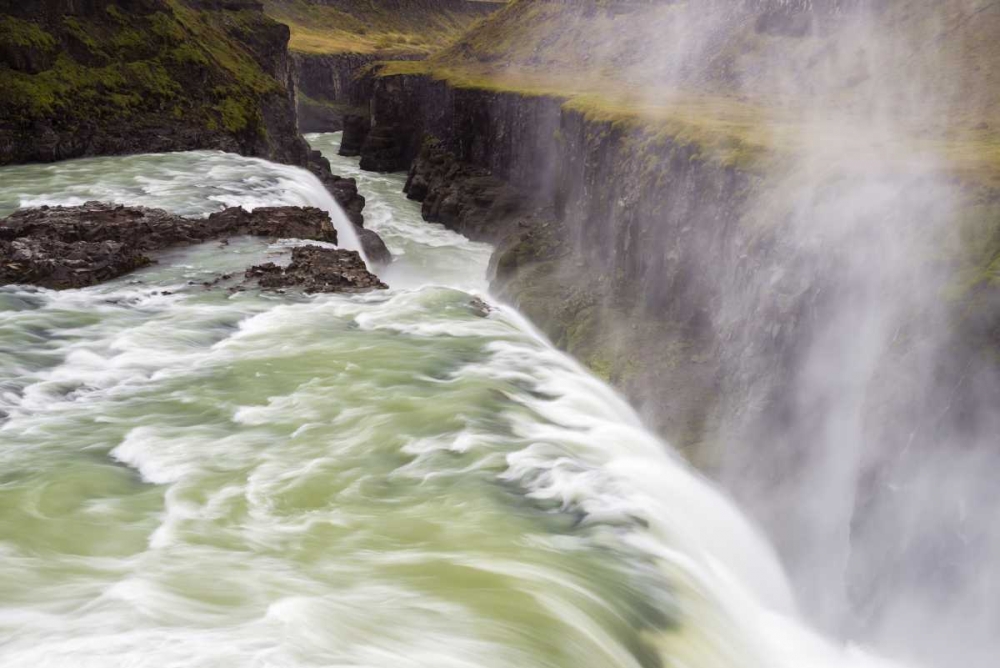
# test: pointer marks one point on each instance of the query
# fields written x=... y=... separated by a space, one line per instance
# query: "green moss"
x=166 y=28
x=129 y=40
x=24 y=34
x=410 y=27
x=115 y=13
x=84 y=35
x=236 y=114
x=179 y=64
x=188 y=54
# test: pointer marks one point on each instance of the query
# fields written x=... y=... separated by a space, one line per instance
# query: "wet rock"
x=344 y=190
x=314 y=269
x=356 y=129
x=278 y=222
x=480 y=307
x=72 y=247
x=460 y=196
x=374 y=247
x=52 y=263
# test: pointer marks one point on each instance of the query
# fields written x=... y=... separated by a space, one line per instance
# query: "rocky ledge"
x=462 y=197
x=345 y=192
x=316 y=269
x=73 y=247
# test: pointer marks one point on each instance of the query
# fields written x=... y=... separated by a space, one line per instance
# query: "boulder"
x=344 y=190
x=315 y=269
x=77 y=246
x=374 y=247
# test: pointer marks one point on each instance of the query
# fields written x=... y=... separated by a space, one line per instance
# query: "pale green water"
x=193 y=478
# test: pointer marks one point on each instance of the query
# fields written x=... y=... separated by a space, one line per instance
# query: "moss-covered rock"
x=113 y=77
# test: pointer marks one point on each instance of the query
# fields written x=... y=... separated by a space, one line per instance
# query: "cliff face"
x=335 y=41
x=326 y=88
x=804 y=332
x=100 y=77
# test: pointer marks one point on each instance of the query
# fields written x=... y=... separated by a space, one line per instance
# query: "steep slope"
x=384 y=27
x=777 y=229
x=334 y=40
x=109 y=77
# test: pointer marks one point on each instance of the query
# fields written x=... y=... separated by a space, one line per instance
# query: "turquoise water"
x=193 y=477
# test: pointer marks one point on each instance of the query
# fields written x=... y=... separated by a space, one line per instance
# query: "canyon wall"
x=798 y=332
x=99 y=77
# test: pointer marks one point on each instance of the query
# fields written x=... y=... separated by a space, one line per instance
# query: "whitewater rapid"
x=198 y=478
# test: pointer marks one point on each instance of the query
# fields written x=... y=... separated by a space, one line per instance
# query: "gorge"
x=774 y=227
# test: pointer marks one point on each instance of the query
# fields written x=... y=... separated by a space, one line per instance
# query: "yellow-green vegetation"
x=175 y=63
x=916 y=83
x=753 y=98
x=17 y=32
x=412 y=27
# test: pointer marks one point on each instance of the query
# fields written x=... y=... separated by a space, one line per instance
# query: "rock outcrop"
x=752 y=329
x=103 y=78
x=460 y=196
x=374 y=247
x=385 y=147
x=344 y=190
x=315 y=269
x=356 y=129
x=72 y=247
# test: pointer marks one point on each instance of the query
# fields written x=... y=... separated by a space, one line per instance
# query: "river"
x=201 y=478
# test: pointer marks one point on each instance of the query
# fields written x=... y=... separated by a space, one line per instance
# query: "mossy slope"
x=154 y=75
x=711 y=76
x=389 y=28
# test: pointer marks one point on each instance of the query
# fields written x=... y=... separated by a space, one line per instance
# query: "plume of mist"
x=861 y=417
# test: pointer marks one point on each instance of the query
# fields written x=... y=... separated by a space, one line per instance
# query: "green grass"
x=179 y=63
x=603 y=65
x=415 y=27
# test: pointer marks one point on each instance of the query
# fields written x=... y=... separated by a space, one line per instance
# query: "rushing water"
x=203 y=478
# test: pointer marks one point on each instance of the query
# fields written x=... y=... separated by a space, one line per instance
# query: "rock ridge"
x=73 y=247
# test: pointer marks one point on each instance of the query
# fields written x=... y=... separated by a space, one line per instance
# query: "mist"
x=856 y=400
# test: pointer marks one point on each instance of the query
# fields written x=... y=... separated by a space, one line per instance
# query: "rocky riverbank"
x=73 y=247
x=100 y=78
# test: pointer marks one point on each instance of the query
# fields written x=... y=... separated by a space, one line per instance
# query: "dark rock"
x=51 y=263
x=71 y=247
x=28 y=58
x=460 y=196
x=278 y=222
x=374 y=247
x=315 y=269
x=344 y=190
x=384 y=148
x=479 y=307
x=356 y=129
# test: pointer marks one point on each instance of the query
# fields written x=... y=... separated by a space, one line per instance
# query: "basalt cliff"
x=107 y=77
x=785 y=264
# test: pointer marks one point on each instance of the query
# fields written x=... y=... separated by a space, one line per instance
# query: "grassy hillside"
x=115 y=76
x=741 y=86
x=914 y=84
x=386 y=27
